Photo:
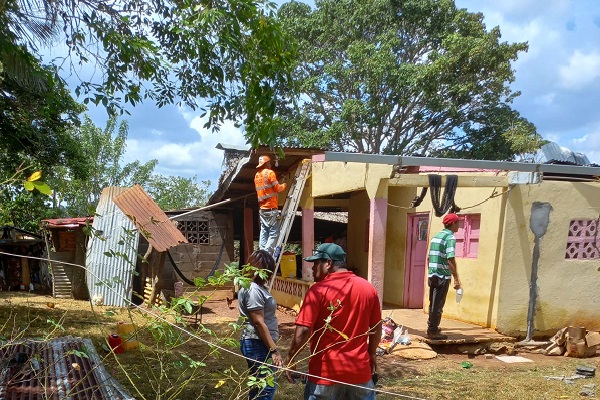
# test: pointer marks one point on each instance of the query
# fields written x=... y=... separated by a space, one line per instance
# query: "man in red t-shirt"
x=341 y=316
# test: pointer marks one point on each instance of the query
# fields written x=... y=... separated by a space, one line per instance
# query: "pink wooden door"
x=415 y=268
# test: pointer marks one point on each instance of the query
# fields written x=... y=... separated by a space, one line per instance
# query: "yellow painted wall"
x=398 y=199
x=477 y=275
x=567 y=289
x=334 y=177
x=496 y=283
x=337 y=177
x=358 y=214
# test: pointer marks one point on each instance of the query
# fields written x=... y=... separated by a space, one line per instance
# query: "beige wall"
x=358 y=214
x=567 y=289
x=477 y=275
x=398 y=198
x=496 y=283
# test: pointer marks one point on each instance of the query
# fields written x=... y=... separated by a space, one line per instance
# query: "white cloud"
x=580 y=140
x=188 y=158
x=581 y=70
x=588 y=144
x=545 y=100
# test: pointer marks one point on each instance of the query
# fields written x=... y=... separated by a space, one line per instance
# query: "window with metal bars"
x=196 y=231
x=467 y=236
x=583 y=242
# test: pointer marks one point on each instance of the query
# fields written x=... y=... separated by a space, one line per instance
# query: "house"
x=523 y=226
x=66 y=249
x=236 y=192
x=21 y=265
x=528 y=241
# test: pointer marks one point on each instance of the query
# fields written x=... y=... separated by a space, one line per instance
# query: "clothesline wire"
x=493 y=195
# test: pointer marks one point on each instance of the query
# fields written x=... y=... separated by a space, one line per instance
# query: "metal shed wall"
x=111 y=276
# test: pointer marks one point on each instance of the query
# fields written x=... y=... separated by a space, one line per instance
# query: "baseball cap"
x=328 y=251
x=450 y=219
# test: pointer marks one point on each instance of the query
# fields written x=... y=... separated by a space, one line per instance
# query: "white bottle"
x=459 y=294
x=405 y=339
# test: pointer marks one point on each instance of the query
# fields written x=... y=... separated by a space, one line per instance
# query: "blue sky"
x=559 y=78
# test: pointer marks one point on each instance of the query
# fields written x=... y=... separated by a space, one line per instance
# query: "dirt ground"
x=217 y=310
x=420 y=378
x=447 y=356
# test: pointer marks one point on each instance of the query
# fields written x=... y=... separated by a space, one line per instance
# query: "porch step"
x=61 y=285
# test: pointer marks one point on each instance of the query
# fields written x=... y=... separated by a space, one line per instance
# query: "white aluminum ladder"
x=289 y=212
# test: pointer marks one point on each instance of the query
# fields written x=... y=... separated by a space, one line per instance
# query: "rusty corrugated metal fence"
x=149 y=219
x=53 y=370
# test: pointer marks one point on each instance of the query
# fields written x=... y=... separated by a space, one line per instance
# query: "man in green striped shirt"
x=442 y=267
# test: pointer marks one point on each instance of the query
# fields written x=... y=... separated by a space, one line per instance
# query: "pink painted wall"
x=308 y=241
x=377 y=231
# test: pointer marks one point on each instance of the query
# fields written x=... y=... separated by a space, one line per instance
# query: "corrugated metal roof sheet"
x=553 y=153
x=41 y=370
x=111 y=253
x=67 y=222
x=149 y=219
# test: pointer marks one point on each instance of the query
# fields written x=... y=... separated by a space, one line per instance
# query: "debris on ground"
x=573 y=341
x=474 y=348
x=415 y=351
x=61 y=367
x=513 y=359
x=586 y=371
x=588 y=391
x=581 y=372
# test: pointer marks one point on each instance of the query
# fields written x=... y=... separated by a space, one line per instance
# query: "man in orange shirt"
x=267 y=187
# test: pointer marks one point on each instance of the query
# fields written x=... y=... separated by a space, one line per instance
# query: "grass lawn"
x=176 y=364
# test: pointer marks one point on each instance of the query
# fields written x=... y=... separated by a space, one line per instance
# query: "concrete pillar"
x=377 y=231
x=308 y=241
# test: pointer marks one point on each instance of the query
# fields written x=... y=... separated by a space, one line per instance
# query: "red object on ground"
x=115 y=341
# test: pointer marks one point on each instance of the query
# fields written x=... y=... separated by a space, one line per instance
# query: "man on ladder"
x=267 y=187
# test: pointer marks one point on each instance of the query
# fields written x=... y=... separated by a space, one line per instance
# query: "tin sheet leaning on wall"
x=111 y=253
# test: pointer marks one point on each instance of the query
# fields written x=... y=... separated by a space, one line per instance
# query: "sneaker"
x=436 y=336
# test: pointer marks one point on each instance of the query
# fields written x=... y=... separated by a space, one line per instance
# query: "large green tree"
x=37 y=113
x=177 y=192
x=104 y=150
x=396 y=76
x=227 y=56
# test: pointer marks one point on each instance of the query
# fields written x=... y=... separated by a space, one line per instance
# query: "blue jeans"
x=269 y=229
x=255 y=349
x=339 y=391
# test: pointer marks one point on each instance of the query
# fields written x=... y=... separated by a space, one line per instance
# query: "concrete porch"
x=415 y=320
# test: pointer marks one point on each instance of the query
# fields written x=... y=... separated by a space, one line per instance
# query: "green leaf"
x=43 y=188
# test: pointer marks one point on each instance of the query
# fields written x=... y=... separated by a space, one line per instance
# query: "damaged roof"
x=149 y=219
x=67 y=222
x=239 y=168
